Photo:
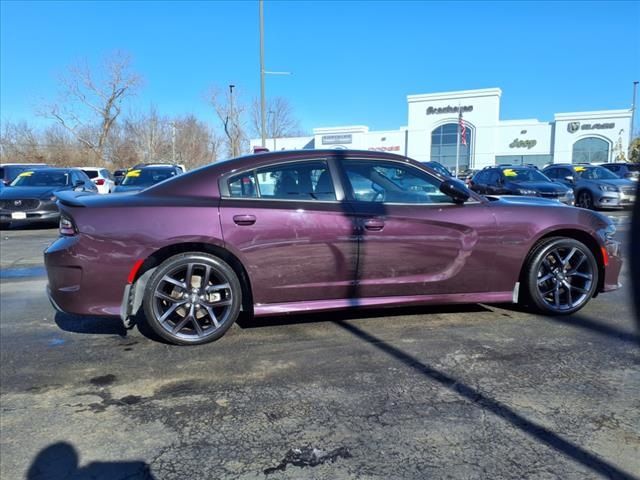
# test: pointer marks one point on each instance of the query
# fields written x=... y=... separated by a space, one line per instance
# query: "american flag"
x=463 y=129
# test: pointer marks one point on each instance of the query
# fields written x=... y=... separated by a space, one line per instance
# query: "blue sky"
x=352 y=62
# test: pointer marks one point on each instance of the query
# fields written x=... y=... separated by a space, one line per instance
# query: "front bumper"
x=613 y=266
x=614 y=200
x=29 y=217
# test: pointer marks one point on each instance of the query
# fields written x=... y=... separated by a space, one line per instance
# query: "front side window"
x=494 y=177
x=374 y=181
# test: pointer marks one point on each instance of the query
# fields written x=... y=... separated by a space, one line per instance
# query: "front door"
x=414 y=240
x=292 y=234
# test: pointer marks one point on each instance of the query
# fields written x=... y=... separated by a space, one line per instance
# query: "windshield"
x=39 y=178
x=146 y=177
x=595 y=173
x=524 y=175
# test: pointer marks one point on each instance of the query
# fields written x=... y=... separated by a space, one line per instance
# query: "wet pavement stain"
x=308 y=457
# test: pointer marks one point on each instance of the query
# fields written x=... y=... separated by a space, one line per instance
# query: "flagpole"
x=458 y=143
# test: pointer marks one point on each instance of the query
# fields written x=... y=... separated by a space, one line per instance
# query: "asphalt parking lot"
x=474 y=391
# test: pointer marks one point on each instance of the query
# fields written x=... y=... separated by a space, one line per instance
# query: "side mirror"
x=455 y=190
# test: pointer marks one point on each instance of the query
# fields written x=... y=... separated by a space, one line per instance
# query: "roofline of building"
x=482 y=92
x=594 y=115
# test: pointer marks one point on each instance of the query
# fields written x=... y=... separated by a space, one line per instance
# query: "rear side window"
x=481 y=177
x=243 y=185
x=289 y=181
x=296 y=181
x=494 y=177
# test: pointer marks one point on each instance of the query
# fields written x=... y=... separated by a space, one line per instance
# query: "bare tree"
x=280 y=121
x=90 y=104
x=230 y=112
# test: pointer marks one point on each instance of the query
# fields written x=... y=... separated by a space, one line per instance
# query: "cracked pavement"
x=436 y=392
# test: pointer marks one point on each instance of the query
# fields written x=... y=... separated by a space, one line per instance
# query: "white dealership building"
x=431 y=134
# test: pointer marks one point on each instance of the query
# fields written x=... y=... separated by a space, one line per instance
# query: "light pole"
x=273 y=131
x=173 y=142
x=263 y=101
x=232 y=120
x=633 y=111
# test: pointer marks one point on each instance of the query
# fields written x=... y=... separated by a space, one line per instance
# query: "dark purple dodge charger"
x=286 y=232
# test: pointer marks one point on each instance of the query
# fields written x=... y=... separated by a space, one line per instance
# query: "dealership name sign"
x=517 y=143
x=573 y=127
x=449 y=109
x=336 y=139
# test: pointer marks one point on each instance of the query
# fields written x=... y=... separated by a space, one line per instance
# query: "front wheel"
x=585 y=200
x=192 y=298
x=561 y=276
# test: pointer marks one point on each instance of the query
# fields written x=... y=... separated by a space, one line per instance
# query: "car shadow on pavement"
x=534 y=430
x=248 y=321
x=578 y=320
x=90 y=325
x=59 y=461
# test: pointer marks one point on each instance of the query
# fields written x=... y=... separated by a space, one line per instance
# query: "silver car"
x=594 y=186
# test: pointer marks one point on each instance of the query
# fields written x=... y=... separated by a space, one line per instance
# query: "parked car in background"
x=630 y=171
x=101 y=177
x=138 y=179
x=118 y=175
x=9 y=171
x=160 y=164
x=594 y=186
x=31 y=198
x=192 y=251
x=519 y=180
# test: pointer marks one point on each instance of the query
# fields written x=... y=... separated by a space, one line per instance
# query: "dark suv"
x=630 y=171
x=519 y=180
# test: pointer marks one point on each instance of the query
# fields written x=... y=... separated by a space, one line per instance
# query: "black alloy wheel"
x=192 y=298
x=561 y=276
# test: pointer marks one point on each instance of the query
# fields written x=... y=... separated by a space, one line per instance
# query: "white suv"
x=101 y=177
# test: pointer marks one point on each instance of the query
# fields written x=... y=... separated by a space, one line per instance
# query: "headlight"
x=608 y=188
x=568 y=193
x=524 y=191
x=53 y=198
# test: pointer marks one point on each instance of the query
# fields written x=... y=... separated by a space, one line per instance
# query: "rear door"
x=288 y=224
x=414 y=240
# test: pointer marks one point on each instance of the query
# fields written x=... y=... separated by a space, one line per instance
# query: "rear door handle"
x=374 y=224
x=244 y=219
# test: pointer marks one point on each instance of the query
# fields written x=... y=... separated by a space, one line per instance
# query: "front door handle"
x=244 y=220
x=374 y=224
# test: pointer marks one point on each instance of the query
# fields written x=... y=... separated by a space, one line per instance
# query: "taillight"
x=67 y=227
x=99 y=181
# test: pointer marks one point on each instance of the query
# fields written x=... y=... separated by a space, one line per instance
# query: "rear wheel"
x=192 y=298
x=561 y=276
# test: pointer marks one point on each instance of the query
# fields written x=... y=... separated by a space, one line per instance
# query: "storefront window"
x=443 y=146
x=590 y=150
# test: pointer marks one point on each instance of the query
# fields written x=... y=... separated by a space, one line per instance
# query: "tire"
x=561 y=276
x=585 y=200
x=193 y=314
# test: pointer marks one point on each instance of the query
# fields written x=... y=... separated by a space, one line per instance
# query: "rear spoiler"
x=72 y=199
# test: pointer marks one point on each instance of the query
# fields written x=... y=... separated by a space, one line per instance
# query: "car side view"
x=594 y=186
x=519 y=180
x=285 y=232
